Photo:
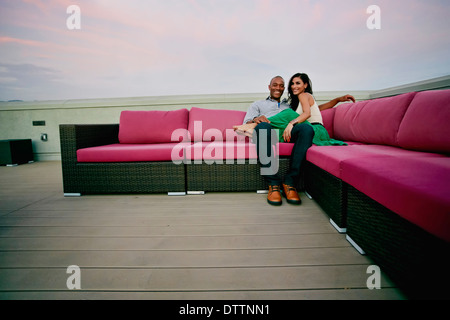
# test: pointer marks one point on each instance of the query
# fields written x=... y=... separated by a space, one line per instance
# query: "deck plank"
x=191 y=279
x=219 y=295
x=194 y=242
x=213 y=258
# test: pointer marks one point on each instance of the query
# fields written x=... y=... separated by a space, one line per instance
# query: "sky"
x=135 y=48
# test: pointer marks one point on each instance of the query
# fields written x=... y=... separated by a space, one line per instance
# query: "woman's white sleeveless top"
x=316 y=116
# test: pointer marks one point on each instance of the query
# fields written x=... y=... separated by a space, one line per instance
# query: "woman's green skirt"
x=321 y=136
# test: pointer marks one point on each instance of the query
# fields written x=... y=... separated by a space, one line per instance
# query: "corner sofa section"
x=389 y=189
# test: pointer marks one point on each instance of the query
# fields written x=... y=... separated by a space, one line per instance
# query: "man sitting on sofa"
x=302 y=136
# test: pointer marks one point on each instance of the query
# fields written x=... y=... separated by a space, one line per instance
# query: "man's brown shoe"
x=274 y=196
x=291 y=194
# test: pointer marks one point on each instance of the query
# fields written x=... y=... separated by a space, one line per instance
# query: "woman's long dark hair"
x=293 y=99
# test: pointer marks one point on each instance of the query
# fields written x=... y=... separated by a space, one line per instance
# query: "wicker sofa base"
x=165 y=177
x=414 y=259
x=228 y=177
x=148 y=177
x=108 y=178
x=329 y=192
x=136 y=177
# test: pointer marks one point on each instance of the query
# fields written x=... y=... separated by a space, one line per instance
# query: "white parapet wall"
x=25 y=120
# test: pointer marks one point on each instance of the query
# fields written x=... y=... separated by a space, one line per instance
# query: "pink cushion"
x=285 y=149
x=426 y=124
x=417 y=189
x=151 y=126
x=133 y=152
x=397 y=152
x=220 y=150
x=214 y=125
x=328 y=120
x=329 y=158
x=372 y=121
x=229 y=150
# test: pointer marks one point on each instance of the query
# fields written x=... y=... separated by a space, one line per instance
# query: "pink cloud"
x=5 y=40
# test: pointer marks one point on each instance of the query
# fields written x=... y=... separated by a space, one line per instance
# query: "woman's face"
x=298 y=86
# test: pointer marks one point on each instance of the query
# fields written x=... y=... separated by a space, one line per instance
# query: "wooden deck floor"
x=214 y=246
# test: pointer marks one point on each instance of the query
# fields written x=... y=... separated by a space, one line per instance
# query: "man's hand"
x=260 y=119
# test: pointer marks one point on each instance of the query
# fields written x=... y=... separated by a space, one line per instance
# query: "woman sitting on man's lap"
x=300 y=92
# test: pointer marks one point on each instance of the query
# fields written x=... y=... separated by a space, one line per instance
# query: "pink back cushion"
x=426 y=125
x=373 y=121
x=328 y=120
x=152 y=126
x=214 y=125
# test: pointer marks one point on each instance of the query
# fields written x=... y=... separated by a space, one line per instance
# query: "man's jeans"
x=302 y=136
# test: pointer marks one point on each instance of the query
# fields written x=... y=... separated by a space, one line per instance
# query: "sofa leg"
x=308 y=195
x=339 y=229
x=72 y=194
x=353 y=243
x=176 y=193
x=195 y=193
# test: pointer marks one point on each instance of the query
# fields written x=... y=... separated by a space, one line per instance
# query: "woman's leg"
x=278 y=121
x=281 y=120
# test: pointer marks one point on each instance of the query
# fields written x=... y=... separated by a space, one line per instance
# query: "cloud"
x=26 y=81
x=5 y=40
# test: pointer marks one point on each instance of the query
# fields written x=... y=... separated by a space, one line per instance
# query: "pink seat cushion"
x=220 y=150
x=426 y=125
x=417 y=189
x=285 y=149
x=133 y=152
x=152 y=126
x=214 y=125
x=329 y=158
x=372 y=121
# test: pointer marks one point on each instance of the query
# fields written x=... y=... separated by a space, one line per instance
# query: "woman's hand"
x=287 y=132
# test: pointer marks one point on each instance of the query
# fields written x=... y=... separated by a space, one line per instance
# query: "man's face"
x=276 y=88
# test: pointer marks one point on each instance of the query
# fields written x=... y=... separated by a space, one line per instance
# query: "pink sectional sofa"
x=389 y=189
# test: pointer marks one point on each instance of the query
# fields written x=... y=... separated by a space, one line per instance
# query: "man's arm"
x=335 y=101
x=252 y=113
